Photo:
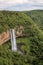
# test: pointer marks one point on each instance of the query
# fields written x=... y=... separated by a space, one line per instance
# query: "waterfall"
x=13 y=40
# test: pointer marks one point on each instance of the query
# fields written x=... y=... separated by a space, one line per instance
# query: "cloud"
x=11 y=2
x=18 y=5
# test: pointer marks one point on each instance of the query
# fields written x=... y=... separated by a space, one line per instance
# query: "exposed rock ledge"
x=5 y=36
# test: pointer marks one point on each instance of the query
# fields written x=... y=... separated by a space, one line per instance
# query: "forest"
x=30 y=48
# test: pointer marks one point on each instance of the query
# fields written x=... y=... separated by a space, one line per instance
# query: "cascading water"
x=13 y=40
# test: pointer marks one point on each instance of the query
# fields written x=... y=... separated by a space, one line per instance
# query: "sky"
x=21 y=5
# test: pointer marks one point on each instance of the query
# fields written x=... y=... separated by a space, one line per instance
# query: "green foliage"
x=30 y=47
x=37 y=16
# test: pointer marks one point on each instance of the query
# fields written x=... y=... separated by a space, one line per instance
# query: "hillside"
x=37 y=16
x=30 y=47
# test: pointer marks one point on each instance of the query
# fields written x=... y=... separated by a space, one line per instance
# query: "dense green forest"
x=37 y=16
x=30 y=47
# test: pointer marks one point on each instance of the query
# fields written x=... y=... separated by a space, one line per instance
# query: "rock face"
x=5 y=36
x=19 y=31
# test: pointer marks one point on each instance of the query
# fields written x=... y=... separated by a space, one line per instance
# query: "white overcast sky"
x=19 y=5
